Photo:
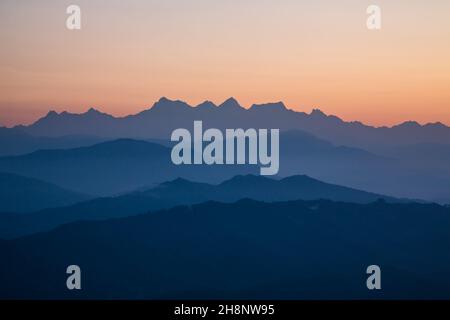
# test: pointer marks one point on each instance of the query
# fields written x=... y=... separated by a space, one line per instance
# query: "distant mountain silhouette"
x=16 y=142
x=112 y=167
x=107 y=167
x=166 y=115
x=21 y=194
x=123 y=165
x=261 y=188
x=230 y=106
x=383 y=160
x=428 y=159
x=399 y=171
x=427 y=155
x=244 y=250
x=181 y=191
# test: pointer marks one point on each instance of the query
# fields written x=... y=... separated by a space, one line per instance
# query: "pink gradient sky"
x=309 y=54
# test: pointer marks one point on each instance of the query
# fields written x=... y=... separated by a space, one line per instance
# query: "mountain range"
x=101 y=192
x=111 y=168
x=120 y=166
x=183 y=192
x=166 y=115
x=407 y=160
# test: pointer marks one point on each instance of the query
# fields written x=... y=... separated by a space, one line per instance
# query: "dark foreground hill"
x=21 y=194
x=248 y=249
x=181 y=191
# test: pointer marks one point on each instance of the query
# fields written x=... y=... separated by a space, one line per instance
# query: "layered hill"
x=183 y=192
x=21 y=194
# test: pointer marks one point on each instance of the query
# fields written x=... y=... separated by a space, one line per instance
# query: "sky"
x=306 y=53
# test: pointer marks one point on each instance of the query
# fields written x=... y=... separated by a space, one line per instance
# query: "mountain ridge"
x=120 y=165
x=182 y=191
x=232 y=102
x=166 y=115
x=22 y=194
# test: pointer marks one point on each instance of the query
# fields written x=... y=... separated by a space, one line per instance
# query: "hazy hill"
x=112 y=167
x=425 y=155
x=16 y=142
x=119 y=166
x=400 y=171
x=248 y=249
x=21 y=194
x=100 y=169
x=180 y=191
x=262 y=188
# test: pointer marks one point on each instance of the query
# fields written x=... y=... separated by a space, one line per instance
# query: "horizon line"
x=314 y=110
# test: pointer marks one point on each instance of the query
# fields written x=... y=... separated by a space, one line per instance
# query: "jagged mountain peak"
x=231 y=104
x=93 y=111
x=206 y=105
x=317 y=113
x=51 y=114
x=408 y=124
x=165 y=103
x=273 y=106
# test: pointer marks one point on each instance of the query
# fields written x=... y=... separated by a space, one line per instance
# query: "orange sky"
x=309 y=54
